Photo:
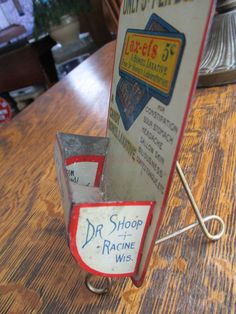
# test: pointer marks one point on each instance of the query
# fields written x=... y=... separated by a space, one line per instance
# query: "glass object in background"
x=68 y=57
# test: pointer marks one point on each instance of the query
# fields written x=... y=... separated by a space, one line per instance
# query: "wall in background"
x=3 y=20
x=13 y=16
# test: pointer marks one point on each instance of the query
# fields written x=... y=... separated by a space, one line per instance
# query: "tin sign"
x=105 y=237
x=159 y=49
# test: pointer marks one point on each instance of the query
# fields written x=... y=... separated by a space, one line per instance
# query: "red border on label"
x=89 y=158
x=139 y=282
x=74 y=225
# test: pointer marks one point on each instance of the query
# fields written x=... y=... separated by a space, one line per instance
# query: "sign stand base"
x=201 y=221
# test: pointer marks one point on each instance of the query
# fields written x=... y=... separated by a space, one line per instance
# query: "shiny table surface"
x=186 y=274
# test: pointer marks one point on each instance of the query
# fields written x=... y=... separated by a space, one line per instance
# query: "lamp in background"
x=218 y=65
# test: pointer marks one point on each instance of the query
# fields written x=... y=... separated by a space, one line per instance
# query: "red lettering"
x=154 y=51
x=144 y=50
x=132 y=46
x=149 y=48
x=137 y=46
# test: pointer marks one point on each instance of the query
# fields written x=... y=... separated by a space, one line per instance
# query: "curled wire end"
x=92 y=288
x=217 y=236
x=201 y=222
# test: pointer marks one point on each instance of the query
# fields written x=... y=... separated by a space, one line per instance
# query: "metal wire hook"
x=195 y=224
x=201 y=220
x=95 y=290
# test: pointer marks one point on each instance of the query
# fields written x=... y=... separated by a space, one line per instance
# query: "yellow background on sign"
x=151 y=58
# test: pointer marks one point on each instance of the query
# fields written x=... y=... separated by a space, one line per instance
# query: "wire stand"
x=201 y=221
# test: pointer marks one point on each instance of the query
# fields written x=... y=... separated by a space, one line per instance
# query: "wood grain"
x=186 y=275
x=111 y=11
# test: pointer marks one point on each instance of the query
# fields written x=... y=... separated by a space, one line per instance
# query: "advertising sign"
x=158 y=54
x=114 y=189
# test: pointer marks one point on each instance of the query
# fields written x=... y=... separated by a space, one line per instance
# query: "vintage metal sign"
x=115 y=189
x=158 y=52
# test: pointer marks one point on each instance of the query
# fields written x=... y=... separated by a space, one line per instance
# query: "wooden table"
x=186 y=275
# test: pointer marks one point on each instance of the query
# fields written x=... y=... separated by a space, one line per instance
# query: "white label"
x=108 y=237
x=82 y=173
